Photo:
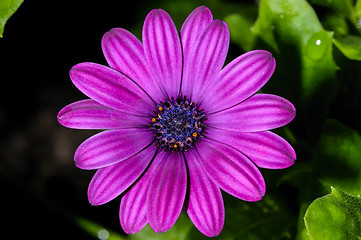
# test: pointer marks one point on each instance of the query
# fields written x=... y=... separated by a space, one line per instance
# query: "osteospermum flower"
x=180 y=127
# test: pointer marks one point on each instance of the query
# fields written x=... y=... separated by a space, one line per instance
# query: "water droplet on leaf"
x=317 y=45
x=358 y=23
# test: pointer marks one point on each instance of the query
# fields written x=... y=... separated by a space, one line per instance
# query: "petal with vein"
x=133 y=207
x=230 y=170
x=167 y=192
x=110 y=147
x=125 y=53
x=240 y=79
x=205 y=208
x=89 y=114
x=111 y=181
x=207 y=59
x=258 y=113
x=111 y=88
x=163 y=51
x=265 y=149
x=192 y=29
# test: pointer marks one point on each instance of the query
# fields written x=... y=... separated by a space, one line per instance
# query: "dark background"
x=41 y=190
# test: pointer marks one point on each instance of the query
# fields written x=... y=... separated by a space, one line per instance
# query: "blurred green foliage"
x=334 y=216
x=7 y=8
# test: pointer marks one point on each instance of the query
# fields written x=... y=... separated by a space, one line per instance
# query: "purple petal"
x=166 y=192
x=192 y=29
x=207 y=59
x=133 y=207
x=258 y=113
x=110 y=147
x=265 y=149
x=88 y=114
x=110 y=182
x=124 y=52
x=231 y=170
x=239 y=80
x=163 y=51
x=111 y=88
x=205 y=208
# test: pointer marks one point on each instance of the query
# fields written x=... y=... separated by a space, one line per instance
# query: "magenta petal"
x=258 y=113
x=111 y=88
x=110 y=147
x=133 y=207
x=88 y=114
x=265 y=149
x=231 y=170
x=205 y=208
x=166 y=192
x=111 y=181
x=240 y=79
x=207 y=59
x=192 y=29
x=163 y=51
x=124 y=52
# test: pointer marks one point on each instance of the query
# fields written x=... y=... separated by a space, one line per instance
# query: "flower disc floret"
x=177 y=124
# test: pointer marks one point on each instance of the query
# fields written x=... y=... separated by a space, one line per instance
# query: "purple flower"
x=181 y=127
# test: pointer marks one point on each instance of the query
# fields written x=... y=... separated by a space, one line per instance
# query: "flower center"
x=177 y=124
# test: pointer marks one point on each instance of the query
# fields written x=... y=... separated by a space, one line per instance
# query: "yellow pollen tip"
x=160 y=109
x=175 y=146
x=153 y=120
x=194 y=134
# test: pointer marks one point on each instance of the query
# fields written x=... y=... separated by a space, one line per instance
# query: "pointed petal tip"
x=212 y=233
x=92 y=200
x=202 y=10
x=130 y=230
x=61 y=116
x=112 y=32
x=267 y=57
x=157 y=11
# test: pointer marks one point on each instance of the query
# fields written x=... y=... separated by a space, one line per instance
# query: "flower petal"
x=258 y=113
x=110 y=147
x=265 y=149
x=192 y=29
x=239 y=80
x=231 y=170
x=110 y=182
x=163 y=51
x=207 y=59
x=88 y=114
x=111 y=88
x=205 y=208
x=125 y=53
x=133 y=207
x=166 y=192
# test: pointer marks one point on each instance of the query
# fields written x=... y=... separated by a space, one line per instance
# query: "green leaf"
x=97 y=231
x=7 y=8
x=350 y=46
x=179 y=231
x=337 y=158
x=335 y=216
x=305 y=71
x=240 y=29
